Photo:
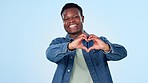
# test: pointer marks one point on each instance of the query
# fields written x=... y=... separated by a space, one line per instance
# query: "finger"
x=91 y=48
x=95 y=39
x=83 y=35
x=82 y=38
x=91 y=37
x=86 y=35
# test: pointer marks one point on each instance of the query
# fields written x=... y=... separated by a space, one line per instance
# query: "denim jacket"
x=96 y=60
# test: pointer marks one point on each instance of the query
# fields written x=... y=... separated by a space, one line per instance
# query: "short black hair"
x=72 y=5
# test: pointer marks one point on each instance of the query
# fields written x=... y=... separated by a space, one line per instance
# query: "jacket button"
x=71 y=57
x=68 y=70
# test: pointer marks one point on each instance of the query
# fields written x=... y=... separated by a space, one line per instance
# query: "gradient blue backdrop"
x=28 y=26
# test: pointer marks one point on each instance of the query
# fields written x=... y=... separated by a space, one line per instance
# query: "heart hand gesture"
x=98 y=43
x=77 y=43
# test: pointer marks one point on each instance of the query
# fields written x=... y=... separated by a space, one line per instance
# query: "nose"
x=71 y=20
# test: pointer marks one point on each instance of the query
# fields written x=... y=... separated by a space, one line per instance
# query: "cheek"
x=64 y=25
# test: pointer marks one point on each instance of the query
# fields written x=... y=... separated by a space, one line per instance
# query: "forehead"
x=71 y=11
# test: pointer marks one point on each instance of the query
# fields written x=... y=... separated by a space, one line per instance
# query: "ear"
x=82 y=19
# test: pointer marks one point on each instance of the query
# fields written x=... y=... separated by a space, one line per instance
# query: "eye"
x=66 y=19
x=76 y=16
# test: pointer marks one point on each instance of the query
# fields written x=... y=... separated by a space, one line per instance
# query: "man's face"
x=73 y=21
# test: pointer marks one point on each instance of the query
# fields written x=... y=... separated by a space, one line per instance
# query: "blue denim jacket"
x=96 y=60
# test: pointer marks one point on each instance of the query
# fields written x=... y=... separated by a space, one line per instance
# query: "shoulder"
x=103 y=38
x=59 y=39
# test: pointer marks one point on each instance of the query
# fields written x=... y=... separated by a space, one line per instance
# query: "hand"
x=98 y=44
x=77 y=43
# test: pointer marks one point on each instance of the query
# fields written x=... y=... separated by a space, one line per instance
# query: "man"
x=81 y=58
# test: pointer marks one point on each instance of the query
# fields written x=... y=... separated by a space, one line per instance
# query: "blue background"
x=28 y=26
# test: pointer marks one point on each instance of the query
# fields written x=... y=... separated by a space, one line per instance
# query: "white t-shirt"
x=80 y=72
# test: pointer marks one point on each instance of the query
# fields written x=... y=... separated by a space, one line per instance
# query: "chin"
x=77 y=32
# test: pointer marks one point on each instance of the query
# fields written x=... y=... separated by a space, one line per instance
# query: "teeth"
x=73 y=25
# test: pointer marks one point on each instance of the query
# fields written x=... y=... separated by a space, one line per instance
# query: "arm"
x=112 y=51
x=117 y=52
x=57 y=50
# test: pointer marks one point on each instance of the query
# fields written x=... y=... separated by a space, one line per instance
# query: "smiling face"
x=73 y=21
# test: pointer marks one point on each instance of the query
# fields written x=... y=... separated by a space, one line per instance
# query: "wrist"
x=107 y=48
x=70 y=47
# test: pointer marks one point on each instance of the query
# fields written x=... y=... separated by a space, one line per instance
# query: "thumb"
x=84 y=48
x=91 y=48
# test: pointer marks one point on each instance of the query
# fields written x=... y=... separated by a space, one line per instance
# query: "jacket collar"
x=71 y=39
